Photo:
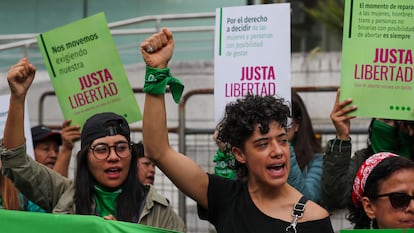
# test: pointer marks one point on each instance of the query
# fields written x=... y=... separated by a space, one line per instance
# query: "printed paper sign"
x=86 y=71
x=252 y=53
x=377 y=58
x=4 y=110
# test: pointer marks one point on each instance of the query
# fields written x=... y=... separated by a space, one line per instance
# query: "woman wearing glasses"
x=106 y=182
x=383 y=193
x=260 y=200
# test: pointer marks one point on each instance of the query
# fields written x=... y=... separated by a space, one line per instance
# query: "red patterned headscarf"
x=363 y=173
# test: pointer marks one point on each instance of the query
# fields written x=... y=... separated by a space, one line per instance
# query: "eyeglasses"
x=398 y=200
x=101 y=151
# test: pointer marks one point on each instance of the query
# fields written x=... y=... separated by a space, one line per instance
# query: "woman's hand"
x=20 y=77
x=340 y=119
x=158 y=49
x=109 y=217
x=70 y=134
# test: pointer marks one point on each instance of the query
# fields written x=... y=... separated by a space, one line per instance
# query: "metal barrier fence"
x=197 y=143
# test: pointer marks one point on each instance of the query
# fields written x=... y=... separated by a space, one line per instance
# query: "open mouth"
x=112 y=172
x=277 y=170
x=50 y=164
x=277 y=166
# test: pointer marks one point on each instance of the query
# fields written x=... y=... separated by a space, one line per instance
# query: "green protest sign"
x=379 y=231
x=377 y=58
x=86 y=70
x=12 y=221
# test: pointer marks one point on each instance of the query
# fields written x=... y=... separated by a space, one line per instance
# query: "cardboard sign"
x=86 y=71
x=252 y=53
x=377 y=58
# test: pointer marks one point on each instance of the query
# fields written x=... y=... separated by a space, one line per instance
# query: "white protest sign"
x=4 y=109
x=252 y=53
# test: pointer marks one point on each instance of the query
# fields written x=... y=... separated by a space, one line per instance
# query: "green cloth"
x=224 y=161
x=106 y=201
x=13 y=221
x=156 y=81
x=382 y=139
x=378 y=231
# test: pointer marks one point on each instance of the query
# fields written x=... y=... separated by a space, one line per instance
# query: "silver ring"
x=150 y=49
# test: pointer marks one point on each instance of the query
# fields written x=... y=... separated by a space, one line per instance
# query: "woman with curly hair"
x=255 y=127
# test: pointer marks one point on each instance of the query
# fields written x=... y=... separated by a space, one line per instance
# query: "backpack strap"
x=297 y=213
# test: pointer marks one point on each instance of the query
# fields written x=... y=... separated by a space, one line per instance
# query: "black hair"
x=139 y=148
x=128 y=202
x=305 y=142
x=380 y=173
x=243 y=115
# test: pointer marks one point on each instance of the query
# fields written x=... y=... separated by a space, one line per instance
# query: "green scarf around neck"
x=106 y=201
x=383 y=140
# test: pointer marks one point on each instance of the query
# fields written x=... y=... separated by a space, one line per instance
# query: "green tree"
x=330 y=13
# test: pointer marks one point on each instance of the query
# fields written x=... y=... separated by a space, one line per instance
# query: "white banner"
x=4 y=109
x=252 y=53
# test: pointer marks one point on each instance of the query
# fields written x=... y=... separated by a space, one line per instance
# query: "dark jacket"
x=338 y=173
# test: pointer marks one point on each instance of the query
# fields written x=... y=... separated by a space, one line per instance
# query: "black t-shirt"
x=232 y=210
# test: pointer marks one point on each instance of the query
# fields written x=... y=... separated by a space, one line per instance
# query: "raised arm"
x=157 y=50
x=70 y=133
x=19 y=78
x=36 y=182
x=336 y=162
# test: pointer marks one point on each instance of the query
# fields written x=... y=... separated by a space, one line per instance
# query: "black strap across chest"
x=297 y=213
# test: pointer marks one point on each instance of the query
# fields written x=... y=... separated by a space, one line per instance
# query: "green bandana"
x=106 y=201
x=156 y=81
x=382 y=139
x=222 y=168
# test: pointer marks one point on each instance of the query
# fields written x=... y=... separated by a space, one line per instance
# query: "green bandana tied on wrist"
x=156 y=81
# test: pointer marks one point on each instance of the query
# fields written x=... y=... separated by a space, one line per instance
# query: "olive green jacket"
x=55 y=193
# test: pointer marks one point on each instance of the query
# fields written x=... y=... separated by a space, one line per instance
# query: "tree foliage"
x=329 y=13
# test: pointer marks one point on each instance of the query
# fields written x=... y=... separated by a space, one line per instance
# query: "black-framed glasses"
x=101 y=151
x=398 y=200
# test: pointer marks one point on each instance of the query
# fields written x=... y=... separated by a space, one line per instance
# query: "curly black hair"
x=243 y=115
